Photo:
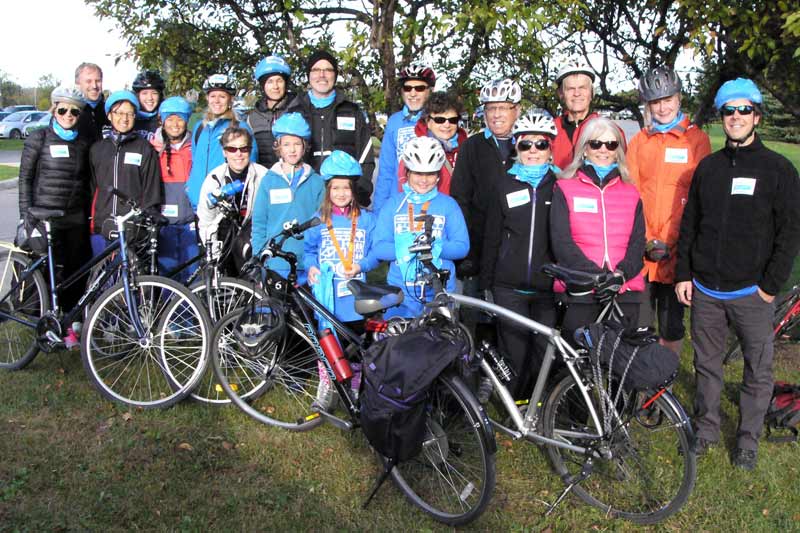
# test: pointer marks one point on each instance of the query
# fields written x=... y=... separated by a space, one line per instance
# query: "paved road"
x=9 y=213
x=10 y=157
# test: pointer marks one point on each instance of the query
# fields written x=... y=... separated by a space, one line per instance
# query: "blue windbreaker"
x=399 y=130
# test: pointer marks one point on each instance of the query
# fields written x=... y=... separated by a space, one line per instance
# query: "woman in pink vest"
x=596 y=222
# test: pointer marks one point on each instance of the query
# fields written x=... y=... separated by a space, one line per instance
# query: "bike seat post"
x=51 y=266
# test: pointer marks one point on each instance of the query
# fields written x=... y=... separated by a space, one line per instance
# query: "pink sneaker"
x=71 y=341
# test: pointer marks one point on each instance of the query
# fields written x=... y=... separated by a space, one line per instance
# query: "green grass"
x=7 y=172
x=789 y=150
x=11 y=144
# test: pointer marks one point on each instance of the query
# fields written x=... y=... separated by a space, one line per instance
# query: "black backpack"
x=398 y=372
x=783 y=412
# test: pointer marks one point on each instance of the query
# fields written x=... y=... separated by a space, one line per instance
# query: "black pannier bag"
x=398 y=372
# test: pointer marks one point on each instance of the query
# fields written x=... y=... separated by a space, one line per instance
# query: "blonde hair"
x=327 y=206
x=593 y=129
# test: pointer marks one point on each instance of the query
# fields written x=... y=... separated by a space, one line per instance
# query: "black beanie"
x=321 y=54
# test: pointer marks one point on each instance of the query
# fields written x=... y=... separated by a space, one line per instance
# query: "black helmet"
x=659 y=82
x=148 y=79
x=261 y=321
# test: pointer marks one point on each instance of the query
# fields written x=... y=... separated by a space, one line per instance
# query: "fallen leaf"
x=507 y=444
x=796 y=517
x=126 y=416
x=270 y=409
x=227 y=445
x=765 y=512
x=185 y=446
x=548 y=529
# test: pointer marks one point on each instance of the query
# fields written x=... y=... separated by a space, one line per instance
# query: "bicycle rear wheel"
x=453 y=478
x=26 y=301
x=646 y=468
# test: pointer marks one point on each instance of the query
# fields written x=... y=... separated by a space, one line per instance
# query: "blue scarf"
x=92 y=104
x=321 y=103
x=602 y=172
x=530 y=174
x=664 y=128
x=417 y=198
x=411 y=115
x=449 y=144
x=145 y=114
x=66 y=135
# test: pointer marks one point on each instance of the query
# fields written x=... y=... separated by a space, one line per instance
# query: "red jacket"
x=421 y=129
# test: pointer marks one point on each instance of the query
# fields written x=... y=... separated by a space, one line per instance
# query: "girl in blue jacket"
x=396 y=229
x=338 y=249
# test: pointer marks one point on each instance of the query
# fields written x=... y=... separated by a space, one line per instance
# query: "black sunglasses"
x=541 y=144
x=417 y=88
x=442 y=120
x=240 y=149
x=729 y=110
x=594 y=144
x=72 y=111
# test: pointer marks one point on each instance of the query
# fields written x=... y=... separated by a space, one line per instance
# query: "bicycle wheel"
x=646 y=469
x=25 y=301
x=453 y=478
x=227 y=294
x=160 y=369
x=289 y=367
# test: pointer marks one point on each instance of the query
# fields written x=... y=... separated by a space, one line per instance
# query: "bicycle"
x=452 y=479
x=629 y=454
x=145 y=339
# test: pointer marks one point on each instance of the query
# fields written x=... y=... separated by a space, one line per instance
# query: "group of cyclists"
x=673 y=224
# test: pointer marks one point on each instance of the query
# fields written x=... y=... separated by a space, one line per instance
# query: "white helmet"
x=423 y=154
x=575 y=65
x=535 y=121
x=67 y=94
x=506 y=90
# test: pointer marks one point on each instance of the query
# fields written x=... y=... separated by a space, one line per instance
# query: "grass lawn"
x=7 y=172
x=789 y=150
x=11 y=144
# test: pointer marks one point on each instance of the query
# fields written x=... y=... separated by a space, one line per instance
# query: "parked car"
x=4 y=114
x=11 y=127
x=15 y=108
x=39 y=124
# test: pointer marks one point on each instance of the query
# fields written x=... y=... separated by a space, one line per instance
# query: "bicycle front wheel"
x=163 y=366
x=643 y=469
x=453 y=477
x=24 y=301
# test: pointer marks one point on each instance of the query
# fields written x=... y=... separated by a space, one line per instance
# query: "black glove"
x=610 y=287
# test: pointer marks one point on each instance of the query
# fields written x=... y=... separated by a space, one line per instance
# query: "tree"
x=10 y=91
x=44 y=87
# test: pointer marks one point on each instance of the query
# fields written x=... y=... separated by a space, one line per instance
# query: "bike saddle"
x=43 y=213
x=576 y=281
x=371 y=299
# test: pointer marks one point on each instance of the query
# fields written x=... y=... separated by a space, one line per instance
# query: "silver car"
x=11 y=127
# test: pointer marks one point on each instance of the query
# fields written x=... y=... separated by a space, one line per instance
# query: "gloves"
x=610 y=287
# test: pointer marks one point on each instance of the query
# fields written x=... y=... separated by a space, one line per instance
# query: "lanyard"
x=346 y=261
x=411 y=215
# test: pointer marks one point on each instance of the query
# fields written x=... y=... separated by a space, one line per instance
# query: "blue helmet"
x=122 y=96
x=291 y=124
x=340 y=164
x=175 y=105
x=735 y=89
x=272 y=65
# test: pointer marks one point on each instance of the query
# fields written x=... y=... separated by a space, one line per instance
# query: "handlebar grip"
x=308 y=224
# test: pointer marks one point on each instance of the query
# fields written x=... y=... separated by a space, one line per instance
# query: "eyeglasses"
x=729 y=110
x=318 y=71
x=122 y=114
x=240 y=149
x=541 y=144
x=594 y=144
x=499 y=108
x=74 y=111
x=442 y=120
x=415 y=88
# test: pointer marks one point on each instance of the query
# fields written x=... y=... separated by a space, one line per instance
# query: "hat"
x=320 y=55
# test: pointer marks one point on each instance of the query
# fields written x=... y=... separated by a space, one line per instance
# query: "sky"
x=53 y=37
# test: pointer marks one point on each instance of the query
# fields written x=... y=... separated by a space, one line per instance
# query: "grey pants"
x=751 y=318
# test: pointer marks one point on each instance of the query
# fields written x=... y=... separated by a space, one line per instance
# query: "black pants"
x=582 y=314
x=71 y=251
x=523 y=349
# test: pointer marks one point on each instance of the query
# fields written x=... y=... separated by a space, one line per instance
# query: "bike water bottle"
x=333 y=353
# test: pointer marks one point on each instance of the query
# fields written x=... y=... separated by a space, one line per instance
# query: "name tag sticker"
x=676 y=155
x=346 y=123
x=743 y=186
x=59 y=150
x=518 y=198
x=169 y=210
x=342 y=289
x=584 y=205
x=132 y=158
x=280 y=196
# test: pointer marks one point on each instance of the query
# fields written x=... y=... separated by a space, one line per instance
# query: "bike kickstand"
x=379 y=482
x=586 y=471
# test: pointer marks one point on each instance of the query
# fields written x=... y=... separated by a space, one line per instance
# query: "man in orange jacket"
x=661 y=160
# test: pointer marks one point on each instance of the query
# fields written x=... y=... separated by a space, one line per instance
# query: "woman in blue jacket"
x=396 y=229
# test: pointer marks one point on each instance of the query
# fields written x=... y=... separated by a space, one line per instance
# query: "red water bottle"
x=334 y=355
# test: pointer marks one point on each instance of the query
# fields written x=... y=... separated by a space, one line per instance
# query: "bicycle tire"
x=621 y=486
x=454 y=476
x=18 y=345
x=168 y=365
x=228 y=294
x=289 y=366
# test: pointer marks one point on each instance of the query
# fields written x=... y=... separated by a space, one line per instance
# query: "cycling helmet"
x=148 y=79
x=659 y=82
x=423 y=154
x=261 y=322
x=535 y=121
x=575 y=65
x=271 y=65
x=175 y=105
x=220 y=82
x=68 y=95
x=340 y=165
x=418 y=71
x=121 y=96
x=735 y=89
x=501 y=91
x=291 y=124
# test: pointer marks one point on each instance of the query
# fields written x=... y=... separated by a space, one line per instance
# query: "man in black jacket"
x=89 y=79
x=740 y=233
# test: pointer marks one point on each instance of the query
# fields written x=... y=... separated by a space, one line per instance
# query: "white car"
x=37 y=125
x=11 y=127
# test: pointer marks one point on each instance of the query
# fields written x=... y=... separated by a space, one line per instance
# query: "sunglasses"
x=594 y=144
x=240 y=149
x=415 y=88
x=72 y=111
x=442 y=120
x=541 y=144
x=729 y=110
